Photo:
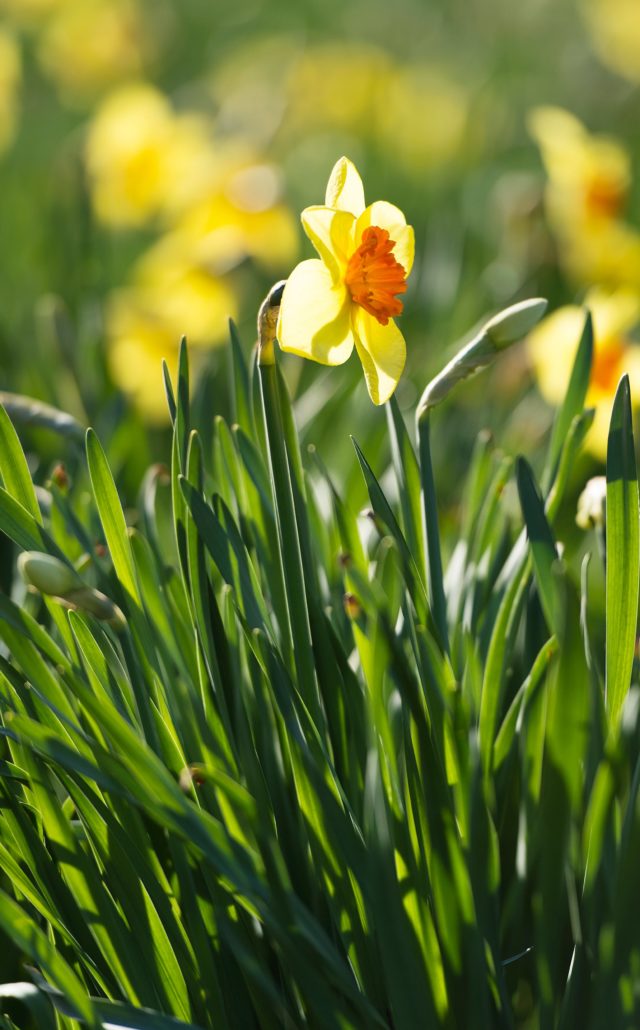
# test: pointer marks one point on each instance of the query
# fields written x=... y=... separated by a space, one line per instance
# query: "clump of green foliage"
x=264 y=765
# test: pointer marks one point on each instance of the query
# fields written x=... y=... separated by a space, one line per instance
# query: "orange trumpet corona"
x=374 y=277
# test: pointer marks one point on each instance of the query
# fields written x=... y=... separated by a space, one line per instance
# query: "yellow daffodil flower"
x=350 y=294
x=615 y=33
x=141 y=155
x=235 y=211
x=89 y=45
x=586 y=194
x=589 y=176
x=144 y=323
x=552 y=347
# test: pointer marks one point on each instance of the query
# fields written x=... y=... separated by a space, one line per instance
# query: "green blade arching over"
x=623 y=553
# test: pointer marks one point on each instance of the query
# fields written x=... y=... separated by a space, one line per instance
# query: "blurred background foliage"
x=155 y=155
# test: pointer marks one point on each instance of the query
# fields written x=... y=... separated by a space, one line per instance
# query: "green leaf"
x=543 y=548
x=573 y=401
x=623 y=554
x=116 y=1014
x=383 y=510
x=14 y=468
x=407 y=472
x=242 y=413
x=28 y=936
x=111 y=516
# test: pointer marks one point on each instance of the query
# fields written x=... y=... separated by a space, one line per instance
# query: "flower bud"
x=592 y=503
x=267 y=322
x=515 y=322
x=47 y=574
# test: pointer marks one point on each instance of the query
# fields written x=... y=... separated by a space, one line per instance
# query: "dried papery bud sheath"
x=498 y=333
x=191 y=776
x=352 y=606
x=60 y=476
x=267 y=322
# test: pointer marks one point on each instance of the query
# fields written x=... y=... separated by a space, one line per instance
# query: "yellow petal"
x=614 y=312
x=552 y=348
x=331 y=233
x=598 y=435
x=344 y=189
x=314 y=320
x=382 y=351
x=631 y=365
x=387 y=216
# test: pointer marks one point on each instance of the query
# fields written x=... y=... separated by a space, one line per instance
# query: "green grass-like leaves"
x=326 y=768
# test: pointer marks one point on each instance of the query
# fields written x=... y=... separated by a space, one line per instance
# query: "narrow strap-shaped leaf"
x=435 y=578
x=14 y=469
x=383 y=510
x=115 y=1014
x=240 y=382
x=541 y=542
x=111 y=515
x=28 y=936
x=623 y=553
x=573 y=402
x=27 y=411
x=407 y=472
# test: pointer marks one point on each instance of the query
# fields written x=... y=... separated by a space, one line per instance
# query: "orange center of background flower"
x=374 y=277
x=604 y=198
x=606 y=371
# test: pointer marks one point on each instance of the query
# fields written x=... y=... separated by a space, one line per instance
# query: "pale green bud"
x=48 y=574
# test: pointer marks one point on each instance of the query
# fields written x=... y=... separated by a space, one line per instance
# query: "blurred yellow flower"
x=589 y=178
x=423 y=117
x=552 y=347
x=615 y=32
x=10 y=74
x=337 y=84
x=235 y=212
x=344 y=86
x=141 y=155
x=350 y=295
x=144 y=324
x=88 y=45
x=137 y=344
x=184 y=296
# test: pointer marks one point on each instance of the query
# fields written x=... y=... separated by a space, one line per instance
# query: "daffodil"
x=552 y=347
x=615 y=33
x=141 y=155
x=235 y=211
x=588 y=176
x=350 y=294
x=145 y=321
x=89 y=45
x=589 y=179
